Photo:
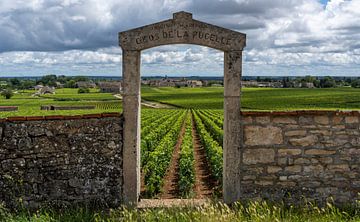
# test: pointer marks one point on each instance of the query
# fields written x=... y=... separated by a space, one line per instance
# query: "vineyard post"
x=131 y=132
x=232 y=129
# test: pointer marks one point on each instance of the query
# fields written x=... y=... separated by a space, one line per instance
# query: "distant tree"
x=83 y=90
x=7 y=93
x=355 y=83
x=49 y=80
x=70 y=84
x=15 y=83
x=286 y=82
x=27 y=84
x=309 y=79
x=327 y=82
x=317 y=83
x=80 y=78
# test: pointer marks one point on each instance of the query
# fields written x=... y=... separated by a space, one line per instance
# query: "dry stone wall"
x=61 y=160
x=297 y=156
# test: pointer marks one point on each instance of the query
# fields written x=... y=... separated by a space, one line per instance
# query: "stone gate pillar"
x=131 y=112
x=181 y=29
x=232 y=129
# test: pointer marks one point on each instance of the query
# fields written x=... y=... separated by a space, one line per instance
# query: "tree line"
x=316 y=82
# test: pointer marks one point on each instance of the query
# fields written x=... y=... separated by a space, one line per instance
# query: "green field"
x=258 y=99
x=254 y=99
x=30 y=106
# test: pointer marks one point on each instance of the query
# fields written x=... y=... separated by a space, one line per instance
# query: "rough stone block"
x=306 y=120
x=322 y=132
x=351 y=119
x=273 y=169
x=246 y=119
x=302 y=161
x=337 y=120
x=284 y=120
x=259 y=135
x=314 y=169
x=255 y=156
x=323 y=120
x=293 y=169
x=291 y=152
x=338 y=168
x=295 y=133
x=319 y=152
x=286 y=184
x=305 y=141
x=264 y=182
x=262 y=119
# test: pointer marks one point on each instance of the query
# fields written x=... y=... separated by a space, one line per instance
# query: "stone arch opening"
x=182 y=29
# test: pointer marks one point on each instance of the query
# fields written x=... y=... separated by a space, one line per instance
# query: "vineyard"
x=162 y=131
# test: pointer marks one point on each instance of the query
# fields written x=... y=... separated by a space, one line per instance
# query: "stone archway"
x=182 y=29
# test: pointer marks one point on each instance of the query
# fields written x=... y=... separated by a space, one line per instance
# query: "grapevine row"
x=218 y=121
x=158 y=160
x=152 y=139
x=187 y=162
x=214 y=152
x=215 y=131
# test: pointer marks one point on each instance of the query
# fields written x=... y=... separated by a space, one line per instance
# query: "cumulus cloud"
x=298 y=34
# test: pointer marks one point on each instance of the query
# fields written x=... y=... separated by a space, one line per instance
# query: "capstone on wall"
x=301 y=156
x=61 y=161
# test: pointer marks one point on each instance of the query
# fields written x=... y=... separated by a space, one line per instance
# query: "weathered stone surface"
x=306 y=120
x=319 y=152
x=292 y=152
x=293 y=169
x=324 y=120
x=264 y=182
x=337 y=120
x=259 y=135
x=351 y=119
x=314 y=169
x=262 y=119
x=305 y=141
x=273 y=169
x=184 y=30
x=254 y=156
x=83 y=164
x=246 y=120
x=295 y=133
x=322 y=132
x=284 y=120
x=338 y=167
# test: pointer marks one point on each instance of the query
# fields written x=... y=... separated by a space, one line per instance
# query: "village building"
x=38 y=87
x=45 y=90
x=59 y=85
x=307 y=85
x=194 y=83
x=110 y=87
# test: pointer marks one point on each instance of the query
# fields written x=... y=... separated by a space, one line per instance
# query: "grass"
x=259 y=99
x=254 y=99
x=254 y=211
x=30 y=106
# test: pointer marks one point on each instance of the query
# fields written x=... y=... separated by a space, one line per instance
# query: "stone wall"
x=61 y=160
x=307 y=155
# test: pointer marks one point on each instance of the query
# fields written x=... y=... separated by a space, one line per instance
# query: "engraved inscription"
x=170 y=34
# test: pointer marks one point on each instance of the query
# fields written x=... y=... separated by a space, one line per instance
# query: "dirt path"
x=171 y=179
x=150 y=104
x=204 y=183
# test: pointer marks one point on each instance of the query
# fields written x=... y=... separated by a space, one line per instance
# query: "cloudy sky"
x=79 y=37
